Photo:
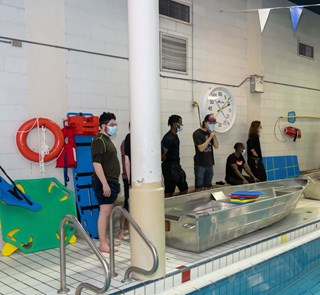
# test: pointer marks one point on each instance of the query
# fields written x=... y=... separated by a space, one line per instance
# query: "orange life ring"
x=25 y=128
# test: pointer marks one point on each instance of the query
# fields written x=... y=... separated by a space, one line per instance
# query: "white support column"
x=146 y=194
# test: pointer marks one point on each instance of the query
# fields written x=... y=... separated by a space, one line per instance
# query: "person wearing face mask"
x=173 y=174
x=105 y=177
x=234 y=166
x=204 y=140
x=254 y=151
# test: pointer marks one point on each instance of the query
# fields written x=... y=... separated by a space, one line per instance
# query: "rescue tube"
x=23 y=132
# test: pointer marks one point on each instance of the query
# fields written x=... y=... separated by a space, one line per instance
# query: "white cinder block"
x=13 y=80
x=15 y=65
x=12 y=14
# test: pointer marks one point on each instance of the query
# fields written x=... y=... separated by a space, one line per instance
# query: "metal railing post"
x=63 y=286
x=143 y=236
x=70 y=218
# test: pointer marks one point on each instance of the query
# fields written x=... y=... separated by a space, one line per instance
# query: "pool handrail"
x=63 y=285
x=142 y=235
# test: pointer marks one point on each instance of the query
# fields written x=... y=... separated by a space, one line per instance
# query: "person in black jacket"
x=254 y=151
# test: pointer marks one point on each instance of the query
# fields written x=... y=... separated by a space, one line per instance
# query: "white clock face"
x=219 y=101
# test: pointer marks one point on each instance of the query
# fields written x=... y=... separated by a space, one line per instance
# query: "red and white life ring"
x=25 y=128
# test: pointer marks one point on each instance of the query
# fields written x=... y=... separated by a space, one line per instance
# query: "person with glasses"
x=205 y=140
x=173 y=174
x=105 y=177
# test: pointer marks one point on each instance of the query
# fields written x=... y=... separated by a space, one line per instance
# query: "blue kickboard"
x=247 y=193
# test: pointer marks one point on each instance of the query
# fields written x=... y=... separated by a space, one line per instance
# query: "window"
x=173 y=54
x=175 y=10
x=305 y=50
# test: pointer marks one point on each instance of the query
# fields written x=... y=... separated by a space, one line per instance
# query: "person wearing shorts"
x=105 y=177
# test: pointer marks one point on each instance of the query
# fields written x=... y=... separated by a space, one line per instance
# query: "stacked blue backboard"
x=281 y=167
x=87 y=204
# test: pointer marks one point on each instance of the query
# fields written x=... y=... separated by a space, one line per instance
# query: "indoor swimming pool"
x=294 y=272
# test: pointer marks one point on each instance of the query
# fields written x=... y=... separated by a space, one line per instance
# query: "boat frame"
x=196 y=222
x=312 y=191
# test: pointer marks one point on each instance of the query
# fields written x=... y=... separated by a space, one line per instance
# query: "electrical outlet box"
x=16 y=43
x=256 y=84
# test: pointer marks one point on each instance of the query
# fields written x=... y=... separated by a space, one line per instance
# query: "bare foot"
x=104 y=247
x=115 y=243
x=121 y=235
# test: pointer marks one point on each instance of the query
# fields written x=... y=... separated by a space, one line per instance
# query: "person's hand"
x=106 y=190
x=245 y=181
x=256 y=179
x=212 y=135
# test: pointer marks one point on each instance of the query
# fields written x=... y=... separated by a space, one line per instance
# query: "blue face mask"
x=180 y=128
x=211 y=127
x=112 y=130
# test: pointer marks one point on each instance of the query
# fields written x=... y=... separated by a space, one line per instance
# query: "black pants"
x=126 y=187
x=237 y=180
x=173 y=176
x=257 y=168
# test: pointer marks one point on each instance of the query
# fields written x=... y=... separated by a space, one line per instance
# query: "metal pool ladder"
x=63 y=284
x=142 y=235
x=70 y=218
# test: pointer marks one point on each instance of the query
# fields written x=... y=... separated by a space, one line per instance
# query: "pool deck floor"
x=39 y=272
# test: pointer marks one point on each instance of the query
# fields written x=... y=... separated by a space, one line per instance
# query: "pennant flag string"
x=273 y=8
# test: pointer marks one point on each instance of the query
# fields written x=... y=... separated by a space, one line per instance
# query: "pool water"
x=293 y=272
x=306 y=284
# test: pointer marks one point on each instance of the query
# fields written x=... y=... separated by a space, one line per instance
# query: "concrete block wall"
x=13 y=86
x=218 y=46
x=98 y=83
x=221 y=43
x=282 y=64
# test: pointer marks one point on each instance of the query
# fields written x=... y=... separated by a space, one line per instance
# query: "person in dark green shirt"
x=105 y=177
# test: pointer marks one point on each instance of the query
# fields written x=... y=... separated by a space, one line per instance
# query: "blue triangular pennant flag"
x=295 y=13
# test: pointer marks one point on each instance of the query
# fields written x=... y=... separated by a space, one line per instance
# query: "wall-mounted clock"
x=220 y=102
